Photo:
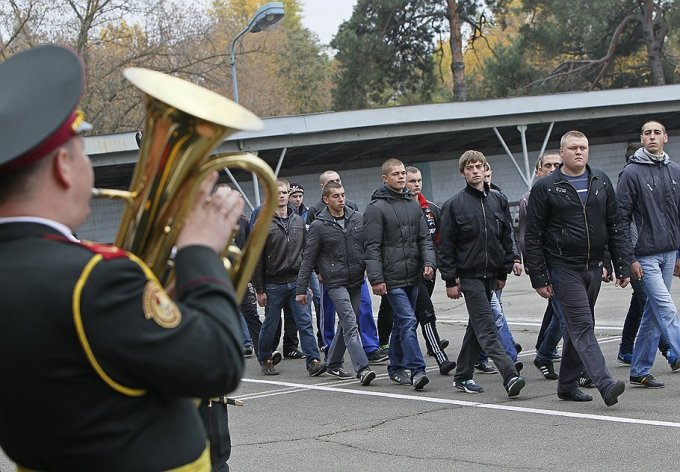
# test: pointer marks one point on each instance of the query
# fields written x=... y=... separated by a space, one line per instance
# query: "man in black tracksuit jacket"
x=571 y=218
x=475 y=256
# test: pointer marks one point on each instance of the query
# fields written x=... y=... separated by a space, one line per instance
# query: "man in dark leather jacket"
x=476 y=254
x=571 y=218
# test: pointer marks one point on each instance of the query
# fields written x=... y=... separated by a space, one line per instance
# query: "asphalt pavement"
x=293 y=422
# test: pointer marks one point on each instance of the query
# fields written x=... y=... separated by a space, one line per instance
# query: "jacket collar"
x=477 y=193
x=560 y=177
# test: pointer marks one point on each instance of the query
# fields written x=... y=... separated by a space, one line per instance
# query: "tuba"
x=184 y=123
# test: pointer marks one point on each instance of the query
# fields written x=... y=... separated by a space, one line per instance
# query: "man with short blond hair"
x=399 y=251
x=571 y=218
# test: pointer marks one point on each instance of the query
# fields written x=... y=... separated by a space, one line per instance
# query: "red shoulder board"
x=106 y=250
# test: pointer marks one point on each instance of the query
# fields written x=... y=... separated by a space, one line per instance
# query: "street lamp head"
x=266 y=17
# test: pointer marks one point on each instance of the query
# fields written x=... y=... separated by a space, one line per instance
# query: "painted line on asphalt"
x=448 y=401
x=517 y=323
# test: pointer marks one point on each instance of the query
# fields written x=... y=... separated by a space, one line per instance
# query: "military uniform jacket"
x=98 y=364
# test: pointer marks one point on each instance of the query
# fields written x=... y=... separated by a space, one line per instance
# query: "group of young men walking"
x=575 y=232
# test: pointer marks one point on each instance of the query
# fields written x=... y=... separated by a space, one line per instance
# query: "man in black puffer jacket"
x=571 y=218
x=335 y=245
x=399 y=251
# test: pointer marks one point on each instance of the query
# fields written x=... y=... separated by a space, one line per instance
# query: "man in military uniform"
x=86 y=329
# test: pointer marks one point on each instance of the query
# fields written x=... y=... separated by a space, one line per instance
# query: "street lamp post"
x=266 y=17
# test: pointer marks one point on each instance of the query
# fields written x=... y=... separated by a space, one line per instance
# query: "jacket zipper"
x=486 y=238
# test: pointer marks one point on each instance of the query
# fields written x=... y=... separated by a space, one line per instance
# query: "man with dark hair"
x=399 y=251
x=326 y=322
x=476 y=254
x=275 y=282
x=571 y=218
x=335 y=246
x=637 y=303
x=553 y=325
x=649 y=199
x=120 y=359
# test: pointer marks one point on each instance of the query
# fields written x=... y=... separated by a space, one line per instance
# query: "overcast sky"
x=324 y=16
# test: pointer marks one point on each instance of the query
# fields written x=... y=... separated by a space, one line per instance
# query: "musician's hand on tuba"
x=212 y=218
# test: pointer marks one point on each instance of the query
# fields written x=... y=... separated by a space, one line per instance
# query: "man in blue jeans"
x=649 y=197
x=275 y=281
x=399 y=251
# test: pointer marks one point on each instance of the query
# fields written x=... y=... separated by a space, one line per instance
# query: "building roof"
x=365 y=138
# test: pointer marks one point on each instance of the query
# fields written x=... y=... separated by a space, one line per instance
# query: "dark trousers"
x=575 y=294
x=290 y=331
x=216 y=422
x=547 y=318
x=632 y=323
x=481 y=333
x=249 y=311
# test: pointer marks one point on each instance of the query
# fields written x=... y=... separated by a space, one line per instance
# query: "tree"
x=565 y=45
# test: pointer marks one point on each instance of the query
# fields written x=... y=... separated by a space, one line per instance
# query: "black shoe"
x=485 y=368
x=420 y=380
x=547 y=369
x=376 y=357
x=293 y=354
x=646 y=381
x=612 y=396
x=316 y=368
x=519 y=365
x=366 y=376
x=574 y=396
x=340 y=373
x=518 y=347
x=401 y=377
x=514 y=385
x=443 y=344
x=276 y=357
x=446 y=367
x=248 y=351
x=584 y=380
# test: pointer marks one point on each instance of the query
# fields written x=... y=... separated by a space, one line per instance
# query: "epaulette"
x=107 y=251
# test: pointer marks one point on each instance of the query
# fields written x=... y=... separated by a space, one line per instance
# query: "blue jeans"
x=247 y=340
x=556 y=330
x=279 y=295
x=404 y=350
x=502 y=327
x=660 y=317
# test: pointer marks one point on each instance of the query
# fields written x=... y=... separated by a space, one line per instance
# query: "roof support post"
x=512 y=158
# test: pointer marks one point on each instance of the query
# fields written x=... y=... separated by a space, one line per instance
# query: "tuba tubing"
x=184 y=123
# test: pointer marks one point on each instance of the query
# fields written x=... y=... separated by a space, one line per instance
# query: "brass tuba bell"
x=184 y=123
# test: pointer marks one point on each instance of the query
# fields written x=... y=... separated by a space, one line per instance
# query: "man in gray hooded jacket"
x=648 y=194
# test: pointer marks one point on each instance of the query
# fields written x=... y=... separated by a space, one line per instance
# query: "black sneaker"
x=514 y=385
x=276 y=357
x=248 y=351
x=612 y=396
x=293 y=354
x=446 y=367
x=584 y=381
x=574 y=396
x=340 y=373
x=443 y=344
x=420 y=380
x=316 y=368
x=519 y=365
x=401 y=377
x=547 y=369
x=376 y=357
x=467 y=386
x=366 y=376
x=646 y=381
x=485 y=368
x=518 y=347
